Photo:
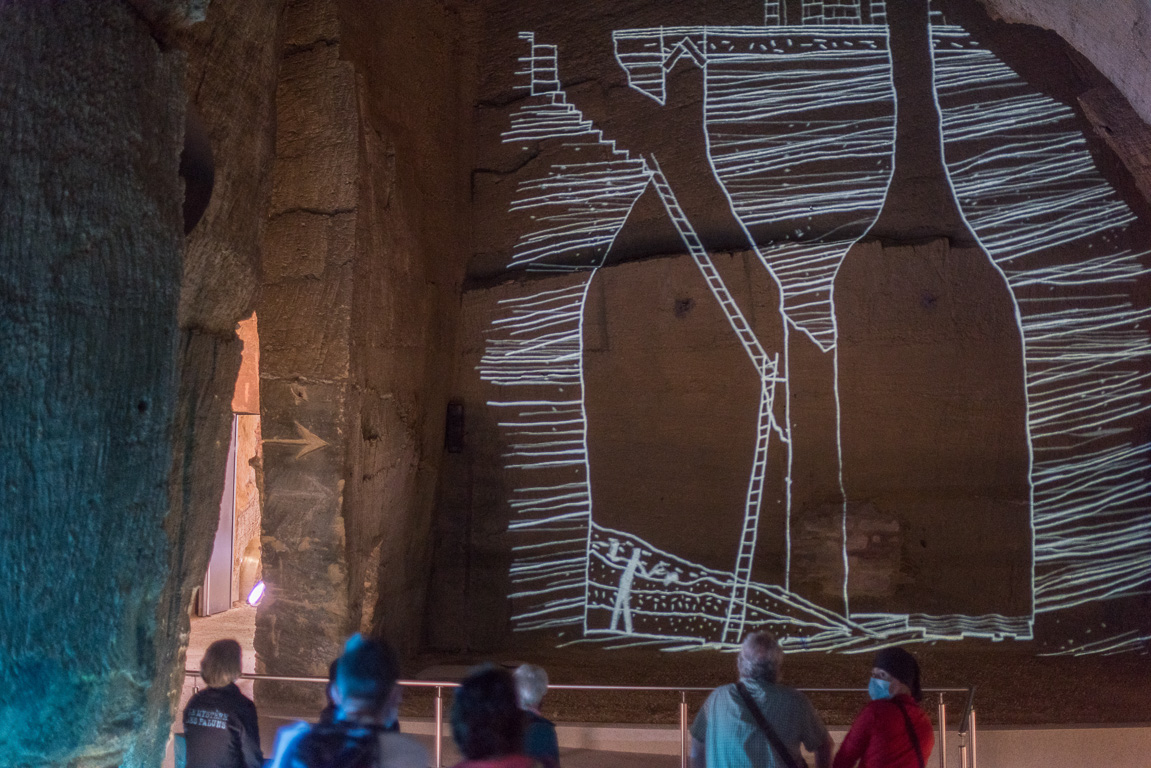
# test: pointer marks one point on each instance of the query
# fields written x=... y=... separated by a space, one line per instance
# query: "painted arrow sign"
x=307 y=441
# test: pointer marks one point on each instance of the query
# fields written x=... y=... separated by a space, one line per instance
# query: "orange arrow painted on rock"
x=308 y=441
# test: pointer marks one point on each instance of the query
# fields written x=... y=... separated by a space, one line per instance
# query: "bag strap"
x=777 y=743
x=911 y=733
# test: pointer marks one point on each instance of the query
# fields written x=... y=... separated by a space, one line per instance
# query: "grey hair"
x=531 y=684
x=760 y=657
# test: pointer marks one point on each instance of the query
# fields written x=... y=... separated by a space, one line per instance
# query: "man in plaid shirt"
x=727 y=734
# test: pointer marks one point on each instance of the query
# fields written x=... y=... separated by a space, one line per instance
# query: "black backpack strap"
x=786 y=757
x=911 y=733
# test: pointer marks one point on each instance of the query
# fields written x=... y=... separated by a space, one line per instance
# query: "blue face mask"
x=879 y=689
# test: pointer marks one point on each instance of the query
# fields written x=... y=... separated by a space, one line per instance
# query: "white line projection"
x=1125 y=642
x=800 y=130
x=1026 y=182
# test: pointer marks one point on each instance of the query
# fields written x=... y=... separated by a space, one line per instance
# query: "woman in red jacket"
x=892 y=731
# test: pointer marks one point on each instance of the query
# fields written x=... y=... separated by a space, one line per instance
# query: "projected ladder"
x=768 y=370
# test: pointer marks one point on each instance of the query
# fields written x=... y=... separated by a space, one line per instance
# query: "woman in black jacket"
x=220 y=727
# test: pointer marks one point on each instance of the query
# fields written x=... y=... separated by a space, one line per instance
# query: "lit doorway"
x=234 y=568
x=221 y=609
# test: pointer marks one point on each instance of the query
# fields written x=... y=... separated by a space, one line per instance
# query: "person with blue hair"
x=366 y=703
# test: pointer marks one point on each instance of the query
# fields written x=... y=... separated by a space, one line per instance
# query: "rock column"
x=304 y=352
x=91 y=239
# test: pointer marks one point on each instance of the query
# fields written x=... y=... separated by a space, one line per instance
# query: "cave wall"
x=304 y=336
x=415 y=78
x=230 y=83
x=118 y=390
x=928 y=424
x=365 y=253
x=1113 y=36
x=119 y=432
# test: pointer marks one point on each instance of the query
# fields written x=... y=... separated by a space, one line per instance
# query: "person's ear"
x=334 y=694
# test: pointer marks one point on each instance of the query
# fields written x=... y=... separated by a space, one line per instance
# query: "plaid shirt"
x=733 y=739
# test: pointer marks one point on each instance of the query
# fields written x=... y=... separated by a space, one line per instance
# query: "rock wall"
x=365 y=255
x=128 y=333
x=1113 y=36
x=231 y=85
x=91 y=237
x=246 y=566
x=304 y=313
x=657 y=213
x=121 y=355
x=415 y=70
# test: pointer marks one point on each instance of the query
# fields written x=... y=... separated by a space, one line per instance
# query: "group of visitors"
x=496 y=722
x=495 y=718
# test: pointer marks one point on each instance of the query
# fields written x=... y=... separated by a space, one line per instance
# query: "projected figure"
x=805 y=178
x=623 y=593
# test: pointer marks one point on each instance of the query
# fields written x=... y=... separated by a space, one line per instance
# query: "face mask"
x=879 y=689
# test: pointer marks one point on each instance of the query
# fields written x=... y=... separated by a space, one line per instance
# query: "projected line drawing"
x=767 y=368
x=1028 y=187
x=760 y=84
x=1024 y=180
x=539 y=250
x=537 y=345
x=1125 y=642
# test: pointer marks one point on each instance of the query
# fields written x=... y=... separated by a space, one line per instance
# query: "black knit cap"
x=902 y=666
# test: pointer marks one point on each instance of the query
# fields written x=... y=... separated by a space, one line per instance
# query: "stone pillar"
x=91 y=239
x=231 y=83
x=304 y=351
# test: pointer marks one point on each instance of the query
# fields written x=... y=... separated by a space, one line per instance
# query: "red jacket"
x=879 y=739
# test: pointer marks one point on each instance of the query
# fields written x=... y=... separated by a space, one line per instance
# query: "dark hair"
x=902 y=666
x=486 y=717
x=366 y=672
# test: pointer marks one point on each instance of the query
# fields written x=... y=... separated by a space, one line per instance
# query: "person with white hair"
x=757 y=721
x=540 y=740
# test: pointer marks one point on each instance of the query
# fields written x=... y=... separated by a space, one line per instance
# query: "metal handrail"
x=967 y=726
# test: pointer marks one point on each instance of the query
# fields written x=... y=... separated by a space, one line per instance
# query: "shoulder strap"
x=786 y=757
x=911 y=733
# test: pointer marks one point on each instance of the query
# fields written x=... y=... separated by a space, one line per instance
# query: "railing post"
x=942 y=733
x=439 y=748
x=971 y=738
x=683 y=748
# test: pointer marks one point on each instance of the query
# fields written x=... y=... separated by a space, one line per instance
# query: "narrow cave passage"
x=224 y=606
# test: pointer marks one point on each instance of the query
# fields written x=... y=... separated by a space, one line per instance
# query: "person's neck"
x=359 y=717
